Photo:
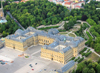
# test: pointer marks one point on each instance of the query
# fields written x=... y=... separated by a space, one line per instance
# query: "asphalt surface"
x=21 y=64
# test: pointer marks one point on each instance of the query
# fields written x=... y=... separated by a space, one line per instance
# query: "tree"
x=97 y=40
x=85 y=70
x=97 y=47
x=89 y=41
x=84 y=18
x=73 y=71
x=80 y=67
x=98 y=68
x=91 y=70
x=99 y=60
x=66 y=26
x=91 y=22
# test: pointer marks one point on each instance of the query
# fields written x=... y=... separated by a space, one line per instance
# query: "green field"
x=45 y=28
x=63 y=32
x=93 y=56
x=71 y=34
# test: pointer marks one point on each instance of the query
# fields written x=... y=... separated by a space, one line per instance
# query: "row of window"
x=44 y=40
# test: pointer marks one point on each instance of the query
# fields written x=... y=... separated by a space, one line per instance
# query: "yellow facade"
x=58 y=56
x=62 y=57
x=29 y=42
x=76 y=1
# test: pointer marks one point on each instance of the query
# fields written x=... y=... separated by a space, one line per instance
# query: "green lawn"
x=88 y=34
x=93 y=56
x=71 y=34
x=45 y=28
x=63 y=32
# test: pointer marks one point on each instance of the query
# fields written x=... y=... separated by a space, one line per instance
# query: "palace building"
x=68 y=68
x=56 y=47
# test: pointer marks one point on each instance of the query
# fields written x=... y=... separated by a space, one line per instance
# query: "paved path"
x=15 y=20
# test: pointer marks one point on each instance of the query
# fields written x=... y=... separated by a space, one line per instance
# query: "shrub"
x=87 y=54
x=62 y=30
x=48 y=27
x=83 y=54
x=72 y=58
x=76 y=60
x=83 y=50
x=88 y=34
x=80 y=59
x=88 y=50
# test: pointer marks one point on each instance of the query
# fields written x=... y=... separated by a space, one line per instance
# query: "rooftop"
x=66 y=67
x=61 y=43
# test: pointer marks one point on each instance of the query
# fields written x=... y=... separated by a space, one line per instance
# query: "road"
x=15 y=20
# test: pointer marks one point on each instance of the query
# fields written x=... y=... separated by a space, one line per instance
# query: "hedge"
x=72 y=58
x=87 y=54
x=83 y=54
x=80 y=59
x=88 y=50
x=88 y=34
x=48 y=27
x=83 y=50
x=76 y=60
x=62 y=30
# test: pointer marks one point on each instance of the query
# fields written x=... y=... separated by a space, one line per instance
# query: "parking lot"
x=21 y=65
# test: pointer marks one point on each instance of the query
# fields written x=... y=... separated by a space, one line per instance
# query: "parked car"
x=31 y=65
x=32 y=69
x=35 y=63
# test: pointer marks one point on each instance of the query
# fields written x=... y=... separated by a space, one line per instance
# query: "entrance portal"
x=51 y=58
x=13 y=47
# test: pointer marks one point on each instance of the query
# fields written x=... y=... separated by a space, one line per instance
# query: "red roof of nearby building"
x=77 y=7
x=16 y=2
x=65 y=0
x=78 y=2
x=68 y=3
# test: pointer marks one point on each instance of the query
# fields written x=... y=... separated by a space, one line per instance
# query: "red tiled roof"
x=65 y=0
x=77 y=7
x=68 y=3
x=16 y=2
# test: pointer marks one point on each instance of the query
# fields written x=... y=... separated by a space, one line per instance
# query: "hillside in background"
x=39 y=12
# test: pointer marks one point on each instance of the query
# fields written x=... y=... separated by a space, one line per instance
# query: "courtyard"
x=22 y=64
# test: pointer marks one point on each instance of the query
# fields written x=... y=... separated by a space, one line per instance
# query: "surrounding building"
x=97 y=0
x=68 y=68
x=24 y=1
x=56 y=47
x=2 y=18
x=74 y=4
x=16 y=2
